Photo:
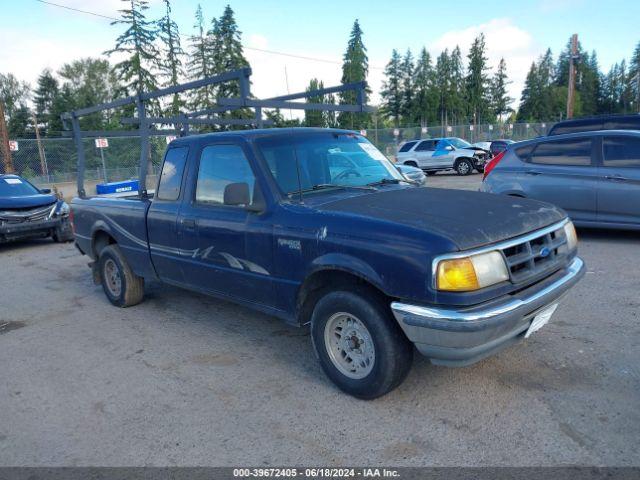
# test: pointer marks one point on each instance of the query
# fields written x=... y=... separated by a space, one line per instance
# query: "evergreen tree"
x=426 y=95
x=407 y=88
x=198 y=64
x=443 y=84
x=355 y=68
x=477 y=82
x=44 y=95
x=314 y=118
x=456 y=91
x=19 y=124
x=227 y=54
x=171 y=62
x=500 y=99
x=391 y=92
x=634 y=78
x=13 y=93
x=136 y=73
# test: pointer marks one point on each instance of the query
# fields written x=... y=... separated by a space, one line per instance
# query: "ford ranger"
x=374 y=264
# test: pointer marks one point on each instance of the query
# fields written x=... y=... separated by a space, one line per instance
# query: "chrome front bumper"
x=459 y=337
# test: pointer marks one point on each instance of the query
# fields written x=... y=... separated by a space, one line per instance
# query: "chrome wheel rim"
x=349 y=345
x=463 y=167
x=112 y=278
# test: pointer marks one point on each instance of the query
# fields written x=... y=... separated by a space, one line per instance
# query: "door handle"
x=188 y=223
x=616 y=178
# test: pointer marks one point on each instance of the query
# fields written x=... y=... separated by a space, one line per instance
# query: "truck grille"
x=536 y=255
x=27 y=215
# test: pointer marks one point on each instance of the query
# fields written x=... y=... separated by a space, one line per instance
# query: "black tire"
x=431 y=173
x=480 y=169
x=63 y=233
x=463 y=167
x=411 y=163
x=393 y=351
x=112 y=263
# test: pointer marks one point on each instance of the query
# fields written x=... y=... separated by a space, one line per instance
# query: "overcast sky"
x=35 y=35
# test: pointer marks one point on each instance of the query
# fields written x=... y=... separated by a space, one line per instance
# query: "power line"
x=272 y=52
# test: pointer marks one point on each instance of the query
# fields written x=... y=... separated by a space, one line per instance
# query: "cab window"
x=221 y=165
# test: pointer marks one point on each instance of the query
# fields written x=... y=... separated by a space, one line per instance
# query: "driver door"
x=444 y=154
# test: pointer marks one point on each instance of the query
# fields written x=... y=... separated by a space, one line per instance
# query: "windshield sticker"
x=13 y=181
x=372 y=151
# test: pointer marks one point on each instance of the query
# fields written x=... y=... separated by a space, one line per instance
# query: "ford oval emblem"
x=544 y=252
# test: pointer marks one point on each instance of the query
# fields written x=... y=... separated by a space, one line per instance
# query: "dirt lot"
x=183 y=379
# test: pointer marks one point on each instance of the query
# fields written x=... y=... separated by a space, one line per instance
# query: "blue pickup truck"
x=294 y=223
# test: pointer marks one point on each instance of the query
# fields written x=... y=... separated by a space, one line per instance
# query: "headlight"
x=64 y=210
x=572 y=236
x=471 y=273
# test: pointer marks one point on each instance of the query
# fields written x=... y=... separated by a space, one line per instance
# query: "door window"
x=171 y=176
x=221 y=165
x=406 y=147
x=576 y=152
x=621 y=152
x=427 y=145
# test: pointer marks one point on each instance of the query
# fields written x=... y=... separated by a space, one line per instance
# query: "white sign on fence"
x=423 y=129
x=490 y=127
x=471 y=128
x=449 y=128
x=363 y=133
x=396 y=132
x=170 y=138
x=102 y=143
x=511 y=126
x=13 y=145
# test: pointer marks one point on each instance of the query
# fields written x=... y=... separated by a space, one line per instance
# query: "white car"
x=438 y=154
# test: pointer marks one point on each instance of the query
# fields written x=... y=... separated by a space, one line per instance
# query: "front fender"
x=348 y=264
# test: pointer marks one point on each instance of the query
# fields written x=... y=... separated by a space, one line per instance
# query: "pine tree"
x=227 y=54
x=457 y=86
x=500 y=99
x=44 y=95
x=426 y=95
x=391 y=92
x=171 y=62
x=634 y=78
x=407 y=88
x=477 y=83
x=314 y=118
x=355 y=68
x=198 y=64
x=136 y=73
x=13 y=93
x=443 y=85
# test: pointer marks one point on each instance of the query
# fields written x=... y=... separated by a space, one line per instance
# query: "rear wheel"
x=122 y=287
x=360 y=346
x=463 y=167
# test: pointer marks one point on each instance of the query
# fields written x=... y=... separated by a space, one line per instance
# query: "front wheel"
x=360 y=346
x=463 y=167
x=122 y=287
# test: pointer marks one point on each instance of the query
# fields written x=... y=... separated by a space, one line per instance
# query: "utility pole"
x=4 y=140
x=572 y=75
x=43 y=159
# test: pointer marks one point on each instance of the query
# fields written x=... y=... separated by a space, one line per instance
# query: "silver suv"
x=437 y=154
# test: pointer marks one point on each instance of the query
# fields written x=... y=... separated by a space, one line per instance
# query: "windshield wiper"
x=389 y=181
x=322 y=186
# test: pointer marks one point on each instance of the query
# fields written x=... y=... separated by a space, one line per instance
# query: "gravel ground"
x=183 y=379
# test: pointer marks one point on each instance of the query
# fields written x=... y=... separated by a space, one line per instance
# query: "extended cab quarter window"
x=621 y=151
x=221 y=165
x=171 y=176
x=575 y=152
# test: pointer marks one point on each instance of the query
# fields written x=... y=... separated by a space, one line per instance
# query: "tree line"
x=422 y=90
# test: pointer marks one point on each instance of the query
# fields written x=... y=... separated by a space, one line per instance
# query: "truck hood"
x=468 y=219
x=27 y=201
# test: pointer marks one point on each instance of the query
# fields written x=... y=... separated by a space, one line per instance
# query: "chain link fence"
x=55 y=163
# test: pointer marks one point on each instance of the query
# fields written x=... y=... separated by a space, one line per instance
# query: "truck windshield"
x=312 y=162
x=16 y=187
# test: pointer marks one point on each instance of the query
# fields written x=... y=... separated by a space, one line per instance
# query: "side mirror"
x=449 y=148
x=237 y=194
x=45 y=190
